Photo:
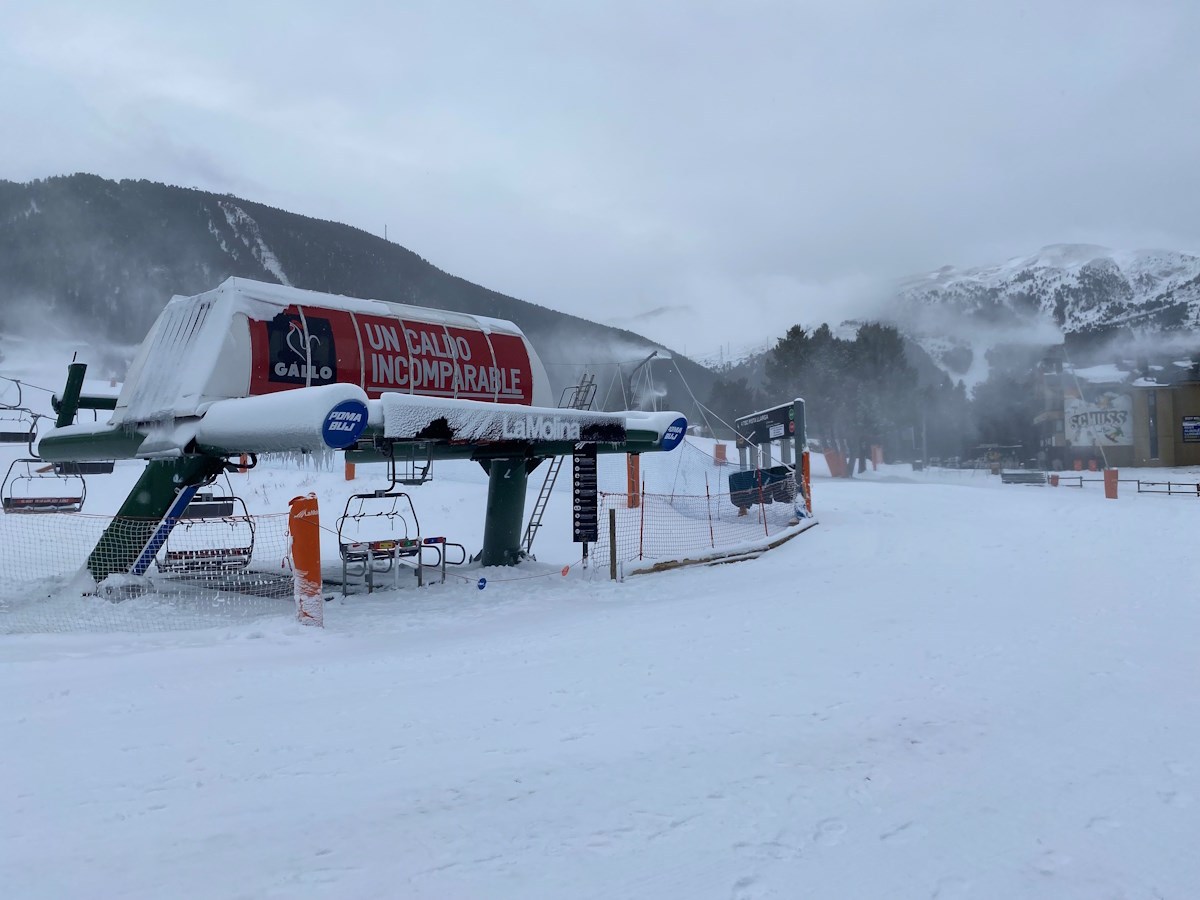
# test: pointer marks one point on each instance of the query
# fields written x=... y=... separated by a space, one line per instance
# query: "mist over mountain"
x=85 y=255
x=1090 y=296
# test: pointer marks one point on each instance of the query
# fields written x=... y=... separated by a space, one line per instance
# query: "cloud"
x=771 y=159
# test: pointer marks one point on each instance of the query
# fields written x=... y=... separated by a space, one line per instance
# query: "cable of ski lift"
x=704 y=409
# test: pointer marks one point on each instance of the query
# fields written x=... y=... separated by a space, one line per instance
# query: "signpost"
x=784 y=423
x=1191 y=429
x=775 y=424
x=585 y=497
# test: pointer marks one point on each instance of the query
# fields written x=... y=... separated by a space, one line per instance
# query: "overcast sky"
x=743 y=165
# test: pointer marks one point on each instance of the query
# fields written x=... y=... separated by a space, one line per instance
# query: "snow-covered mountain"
x=956 y=315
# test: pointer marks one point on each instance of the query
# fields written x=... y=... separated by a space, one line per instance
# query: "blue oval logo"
x=345 y=424
x=674 y=434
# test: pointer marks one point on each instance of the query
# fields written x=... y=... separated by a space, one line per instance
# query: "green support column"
x=138 y=521
x=800 y=430
x=507 y=479
x=69 y=404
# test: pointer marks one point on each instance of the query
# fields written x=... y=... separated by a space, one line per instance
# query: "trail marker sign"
x=585 y=503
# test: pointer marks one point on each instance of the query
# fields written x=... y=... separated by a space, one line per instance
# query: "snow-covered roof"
x=1103 y=374
x=99 y=387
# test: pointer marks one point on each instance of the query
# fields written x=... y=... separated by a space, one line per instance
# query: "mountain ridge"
x=110 y=254
x=1087 y=295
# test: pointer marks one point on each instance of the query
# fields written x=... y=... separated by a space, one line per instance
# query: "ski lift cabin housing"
x=247 y=339
x=265 y=368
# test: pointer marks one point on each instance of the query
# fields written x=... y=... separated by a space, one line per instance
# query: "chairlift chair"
x=9 y=403
x=18 y=426
x=215 y=533
x=375 y=531
x=409 y=463
x=35 y=486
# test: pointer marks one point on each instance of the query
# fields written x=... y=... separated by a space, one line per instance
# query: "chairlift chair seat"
x=373 y=536
x=18 y=426
x=227 y=547
x=34 y=486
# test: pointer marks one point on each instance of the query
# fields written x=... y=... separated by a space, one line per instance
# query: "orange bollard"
x=719 y=455
x=304 y=526
x=349 y=470
x=1053 y=481
x=837 y=463
x=1110 y=484
x=633 y=484
x=806 y=474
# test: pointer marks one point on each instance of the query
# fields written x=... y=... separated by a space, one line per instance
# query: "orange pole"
x=1110 y=484
x=349 y=470
x=634 y=480
x=806 y=474
x=304 y=526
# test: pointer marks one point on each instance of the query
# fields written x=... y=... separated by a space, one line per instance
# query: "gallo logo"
x=300 y=361
x=345 y=424
x=540 y=428
x=674 y=434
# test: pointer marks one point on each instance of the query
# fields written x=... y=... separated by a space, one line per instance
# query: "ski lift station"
x=251 y=368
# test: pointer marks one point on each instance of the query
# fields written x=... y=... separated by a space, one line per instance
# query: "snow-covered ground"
x=947 y=689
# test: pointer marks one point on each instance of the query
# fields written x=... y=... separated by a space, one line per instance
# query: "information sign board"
x=585 y=499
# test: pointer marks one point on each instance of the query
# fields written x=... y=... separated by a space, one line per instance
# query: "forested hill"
x=105 y=256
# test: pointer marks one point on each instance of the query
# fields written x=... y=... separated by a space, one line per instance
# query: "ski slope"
x=946 y=689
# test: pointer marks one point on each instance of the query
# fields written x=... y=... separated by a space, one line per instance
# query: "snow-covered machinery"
x=262 y=368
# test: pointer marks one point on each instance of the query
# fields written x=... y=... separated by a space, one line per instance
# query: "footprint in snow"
x=1103 y=824
x=829 y=832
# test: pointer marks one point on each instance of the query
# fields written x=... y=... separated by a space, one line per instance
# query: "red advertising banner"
x=382 y=354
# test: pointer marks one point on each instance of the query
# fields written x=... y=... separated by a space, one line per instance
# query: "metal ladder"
x=581 y=397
